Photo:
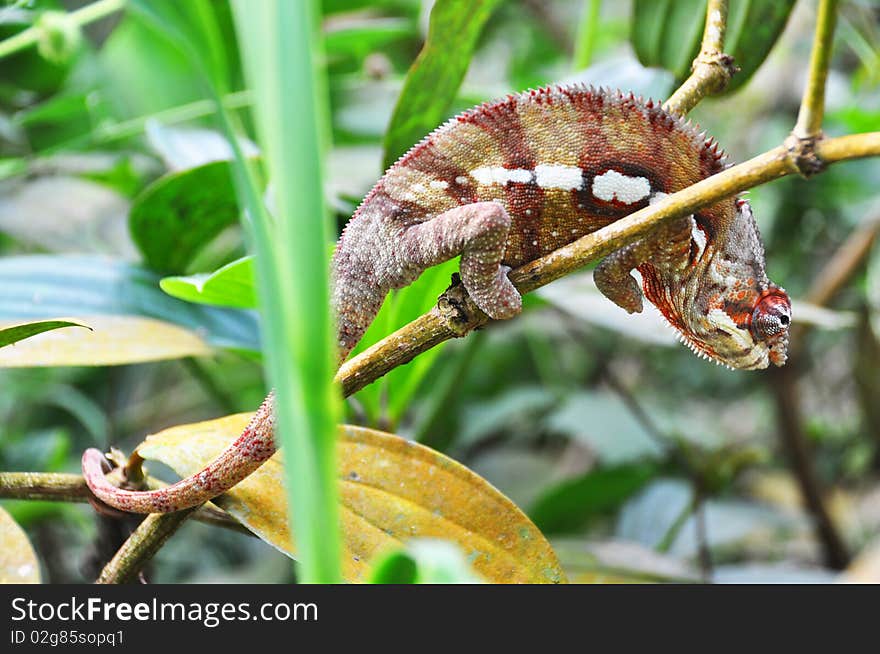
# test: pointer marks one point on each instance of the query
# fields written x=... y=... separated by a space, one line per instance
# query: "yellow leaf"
x=391 y=490
x=18 y=562
x=114 y=340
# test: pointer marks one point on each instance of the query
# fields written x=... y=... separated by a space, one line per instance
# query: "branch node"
x=802 y=154
x=455 y=308
x=723 y=68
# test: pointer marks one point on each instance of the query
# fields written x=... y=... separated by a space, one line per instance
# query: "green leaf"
x=372 y=35
x=423 y=561
x=233 y=285
x=166 y=78
x=203 y=27
x=667 y=33
x=180 y=213
x=752 y=30
x=573 y=503
x=17 y=333
x=434 y=78
x=43 y=287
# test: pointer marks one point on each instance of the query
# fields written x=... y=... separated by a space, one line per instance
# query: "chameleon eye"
x=772 y=314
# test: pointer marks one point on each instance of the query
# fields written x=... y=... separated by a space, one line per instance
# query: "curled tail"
x=378 y=251
x=248 y=452
x=356 y=299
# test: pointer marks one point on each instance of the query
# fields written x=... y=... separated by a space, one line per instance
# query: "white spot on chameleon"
x=439 y=184
x=612 y=184
x=461 y=180
x=699 y=237
x=567 y=178
x=489 y=175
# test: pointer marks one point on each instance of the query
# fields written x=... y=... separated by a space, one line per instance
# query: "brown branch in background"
x=712 y=69
x=673 y=448
x=842 y=266
x=845 y=262
x=126 y=566
x=783 y=384
x=807 y=145
x=812 y=109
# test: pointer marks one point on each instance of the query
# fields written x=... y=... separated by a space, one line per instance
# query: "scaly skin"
x=506 y=183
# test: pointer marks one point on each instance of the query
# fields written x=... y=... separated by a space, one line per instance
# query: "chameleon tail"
x=241 y=458
x=357 y=304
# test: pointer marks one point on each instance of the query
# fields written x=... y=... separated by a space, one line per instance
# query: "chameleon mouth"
x=752 y=355
x=699 y=348
x=779 y=351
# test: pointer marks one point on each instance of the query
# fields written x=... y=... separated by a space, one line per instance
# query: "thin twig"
x=585 y=39
x=142 y=545
x=809 y=122
x=704 y=554
x=844 y=263
x=68 y=487
x=83 y=16
x=783 y=384
x=696 y=476
x=712 y=69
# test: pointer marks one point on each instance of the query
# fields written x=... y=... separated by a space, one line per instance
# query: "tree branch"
x=712 y=69
x=809 y=122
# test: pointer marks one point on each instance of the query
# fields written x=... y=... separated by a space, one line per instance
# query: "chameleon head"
x=748 y=339
x=737 y=317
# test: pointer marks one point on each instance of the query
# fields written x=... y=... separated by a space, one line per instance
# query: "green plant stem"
x=809 y=122
x=675 y=528
x=174 y=115
x=585 y=42
x=88 y=14
x=712 y=69
x=280 y=48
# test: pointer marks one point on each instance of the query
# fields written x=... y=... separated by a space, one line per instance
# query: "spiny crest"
x=589 y=97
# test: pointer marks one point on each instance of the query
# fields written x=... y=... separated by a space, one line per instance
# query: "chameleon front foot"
x=614 y=281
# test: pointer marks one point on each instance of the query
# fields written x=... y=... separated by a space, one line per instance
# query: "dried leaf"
x=392 y=490
x=113 y=340
x=18 y=561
